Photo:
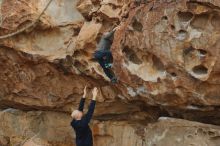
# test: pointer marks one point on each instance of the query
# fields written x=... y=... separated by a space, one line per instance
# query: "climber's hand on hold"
x=116 y=28
x=85 y=92
x=94 y=93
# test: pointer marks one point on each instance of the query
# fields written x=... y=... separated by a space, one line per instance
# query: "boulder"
x=165 y=56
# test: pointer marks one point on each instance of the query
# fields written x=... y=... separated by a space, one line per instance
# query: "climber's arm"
x=109 y=35
x=82 y=101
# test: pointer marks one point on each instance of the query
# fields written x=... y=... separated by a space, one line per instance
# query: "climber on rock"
x=104 y=56
x=80 y=122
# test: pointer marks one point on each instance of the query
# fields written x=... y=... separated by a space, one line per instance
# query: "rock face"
x=165 y=57
x=45 y=128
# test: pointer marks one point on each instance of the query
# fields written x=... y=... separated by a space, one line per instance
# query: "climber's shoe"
x=114 y=80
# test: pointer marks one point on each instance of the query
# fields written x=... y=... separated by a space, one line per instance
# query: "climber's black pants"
x=107 y=71
x=99 y=55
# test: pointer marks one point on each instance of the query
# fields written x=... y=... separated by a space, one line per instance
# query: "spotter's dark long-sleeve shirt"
x=81 y=127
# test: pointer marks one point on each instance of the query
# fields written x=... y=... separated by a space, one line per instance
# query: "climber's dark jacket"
x=81 y=127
